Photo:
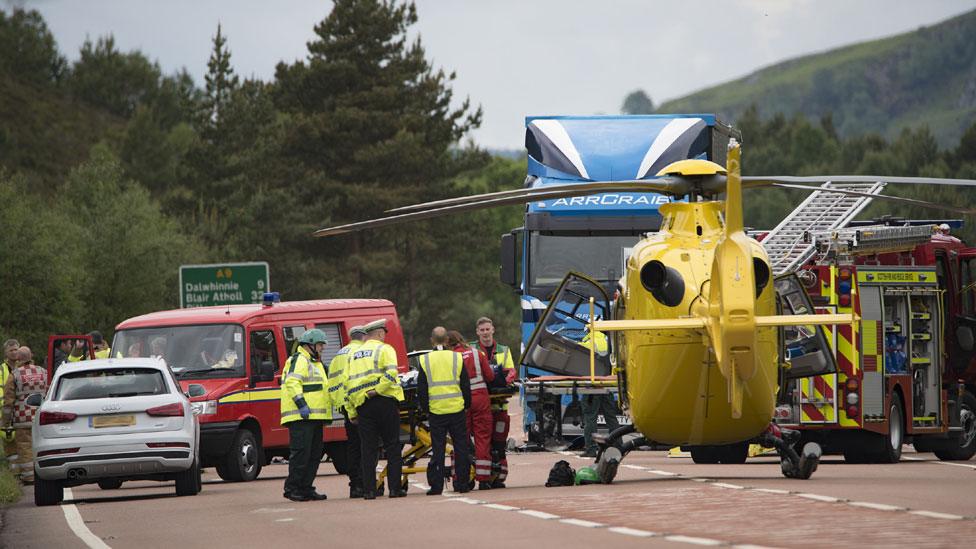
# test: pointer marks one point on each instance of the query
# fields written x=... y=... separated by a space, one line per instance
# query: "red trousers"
x=499 y=440
x=480 y=428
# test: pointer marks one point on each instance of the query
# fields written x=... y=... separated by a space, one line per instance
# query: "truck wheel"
x=188 y=482
x=47 y=492
x=109 y=484
x=339 y=454
x=966 y=448
x=242 y=463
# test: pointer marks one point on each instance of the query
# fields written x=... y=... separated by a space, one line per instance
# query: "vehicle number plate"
x=113 y=421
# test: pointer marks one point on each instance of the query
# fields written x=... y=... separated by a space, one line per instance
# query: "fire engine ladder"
x=872 y=239
x=821 y=211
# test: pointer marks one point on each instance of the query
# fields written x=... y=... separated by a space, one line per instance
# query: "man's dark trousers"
x=379 y=419
x=305 y=453
x=354 y=456
x=440 y=426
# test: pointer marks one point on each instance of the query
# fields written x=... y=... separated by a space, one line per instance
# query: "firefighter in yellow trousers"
x=305 y=409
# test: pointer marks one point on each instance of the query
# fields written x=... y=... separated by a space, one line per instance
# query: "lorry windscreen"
x=205 y=351
x=551 y=256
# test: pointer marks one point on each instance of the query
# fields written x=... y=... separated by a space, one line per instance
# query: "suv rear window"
x=111 y=382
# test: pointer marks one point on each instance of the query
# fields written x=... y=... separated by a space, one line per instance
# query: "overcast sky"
x=515 y=57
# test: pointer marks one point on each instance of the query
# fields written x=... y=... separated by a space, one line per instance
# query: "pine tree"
x=221 y=82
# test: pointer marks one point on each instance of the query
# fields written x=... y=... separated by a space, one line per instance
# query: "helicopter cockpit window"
x=561 y=342
x=805 y=346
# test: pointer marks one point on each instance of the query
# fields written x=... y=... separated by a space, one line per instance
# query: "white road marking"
x=469 y=501
x=637 y=467
x=580 y=522
x=273 y=510
x=77 y=524
x=726 y=485
x=566 y=453
x=953 y=464
x=878 y=506
x=420 y=486
x=632 y=532
x=289 y=519
x=693 y=540
x=818 y=497
x=663 y=473
x=501 y=507
x=538 y=514
x=772 y=491
x=933 y=514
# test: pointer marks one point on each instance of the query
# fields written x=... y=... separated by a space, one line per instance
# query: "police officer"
x=337 y=376
x=444 y=391
x=372 y=396
x=305 y=409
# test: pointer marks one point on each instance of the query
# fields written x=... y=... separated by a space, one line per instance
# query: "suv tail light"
x=47 y=418
x=55 y=452
x=174 y=409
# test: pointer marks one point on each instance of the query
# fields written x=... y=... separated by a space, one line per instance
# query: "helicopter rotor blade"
x=901 y=199
x=663 y=184
x=528 y=195
x=752 y=181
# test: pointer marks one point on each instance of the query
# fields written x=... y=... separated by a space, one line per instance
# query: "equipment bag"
x=561 y=474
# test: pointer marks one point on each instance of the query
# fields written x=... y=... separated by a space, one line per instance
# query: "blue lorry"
x=591 y=235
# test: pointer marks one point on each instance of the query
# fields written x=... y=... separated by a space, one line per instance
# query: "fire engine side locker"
x=908 y=346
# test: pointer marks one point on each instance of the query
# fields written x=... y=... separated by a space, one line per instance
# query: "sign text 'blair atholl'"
x=223 y=284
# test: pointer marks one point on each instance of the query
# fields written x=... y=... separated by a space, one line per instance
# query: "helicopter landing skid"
x=799 y=466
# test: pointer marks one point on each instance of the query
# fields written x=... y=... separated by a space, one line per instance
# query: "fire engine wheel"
x=891 y=452
x=242 y=463
x=967 y=443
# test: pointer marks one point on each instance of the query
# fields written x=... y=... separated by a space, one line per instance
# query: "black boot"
x=355 y=492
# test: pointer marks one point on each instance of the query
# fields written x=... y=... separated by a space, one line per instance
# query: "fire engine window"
x=968 y=288
x=292 y=333
x=263 y=350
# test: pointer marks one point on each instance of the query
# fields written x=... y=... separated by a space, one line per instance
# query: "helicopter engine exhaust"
x=664 y=283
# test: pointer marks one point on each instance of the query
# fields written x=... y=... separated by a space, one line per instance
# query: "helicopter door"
x=804 y=347
x=560 y=342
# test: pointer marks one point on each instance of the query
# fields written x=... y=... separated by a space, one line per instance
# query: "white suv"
x=111 y=420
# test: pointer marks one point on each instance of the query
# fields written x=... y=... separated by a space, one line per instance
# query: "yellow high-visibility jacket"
x=337 y=376
x=304 y=377
x=371 y=367
x=443 y=372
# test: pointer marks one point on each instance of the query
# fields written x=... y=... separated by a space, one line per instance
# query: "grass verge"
x=9 y=487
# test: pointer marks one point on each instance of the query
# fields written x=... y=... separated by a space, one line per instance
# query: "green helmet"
x=313 y=336
x=587 y=475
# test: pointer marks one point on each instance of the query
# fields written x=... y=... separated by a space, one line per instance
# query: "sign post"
x=223 y=284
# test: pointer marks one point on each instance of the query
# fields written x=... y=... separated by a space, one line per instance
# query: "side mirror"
x=195 y=390
x=35 y=399
x=964 y=335
x=509 y=257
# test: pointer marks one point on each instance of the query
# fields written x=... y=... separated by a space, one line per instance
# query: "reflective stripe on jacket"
x=305 y=378
x=337 y=376
x=443 y=371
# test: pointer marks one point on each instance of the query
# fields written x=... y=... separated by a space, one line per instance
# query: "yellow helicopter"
x=696 y=319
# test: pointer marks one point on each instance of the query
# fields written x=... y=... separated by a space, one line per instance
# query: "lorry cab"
x=229 y=360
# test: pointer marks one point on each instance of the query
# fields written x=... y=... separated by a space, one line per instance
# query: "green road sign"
x=223 y=284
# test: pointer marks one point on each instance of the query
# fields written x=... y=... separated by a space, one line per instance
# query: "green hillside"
x=923 y=77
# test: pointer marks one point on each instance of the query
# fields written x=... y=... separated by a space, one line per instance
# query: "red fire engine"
x=229 y=360
x=906 y=372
